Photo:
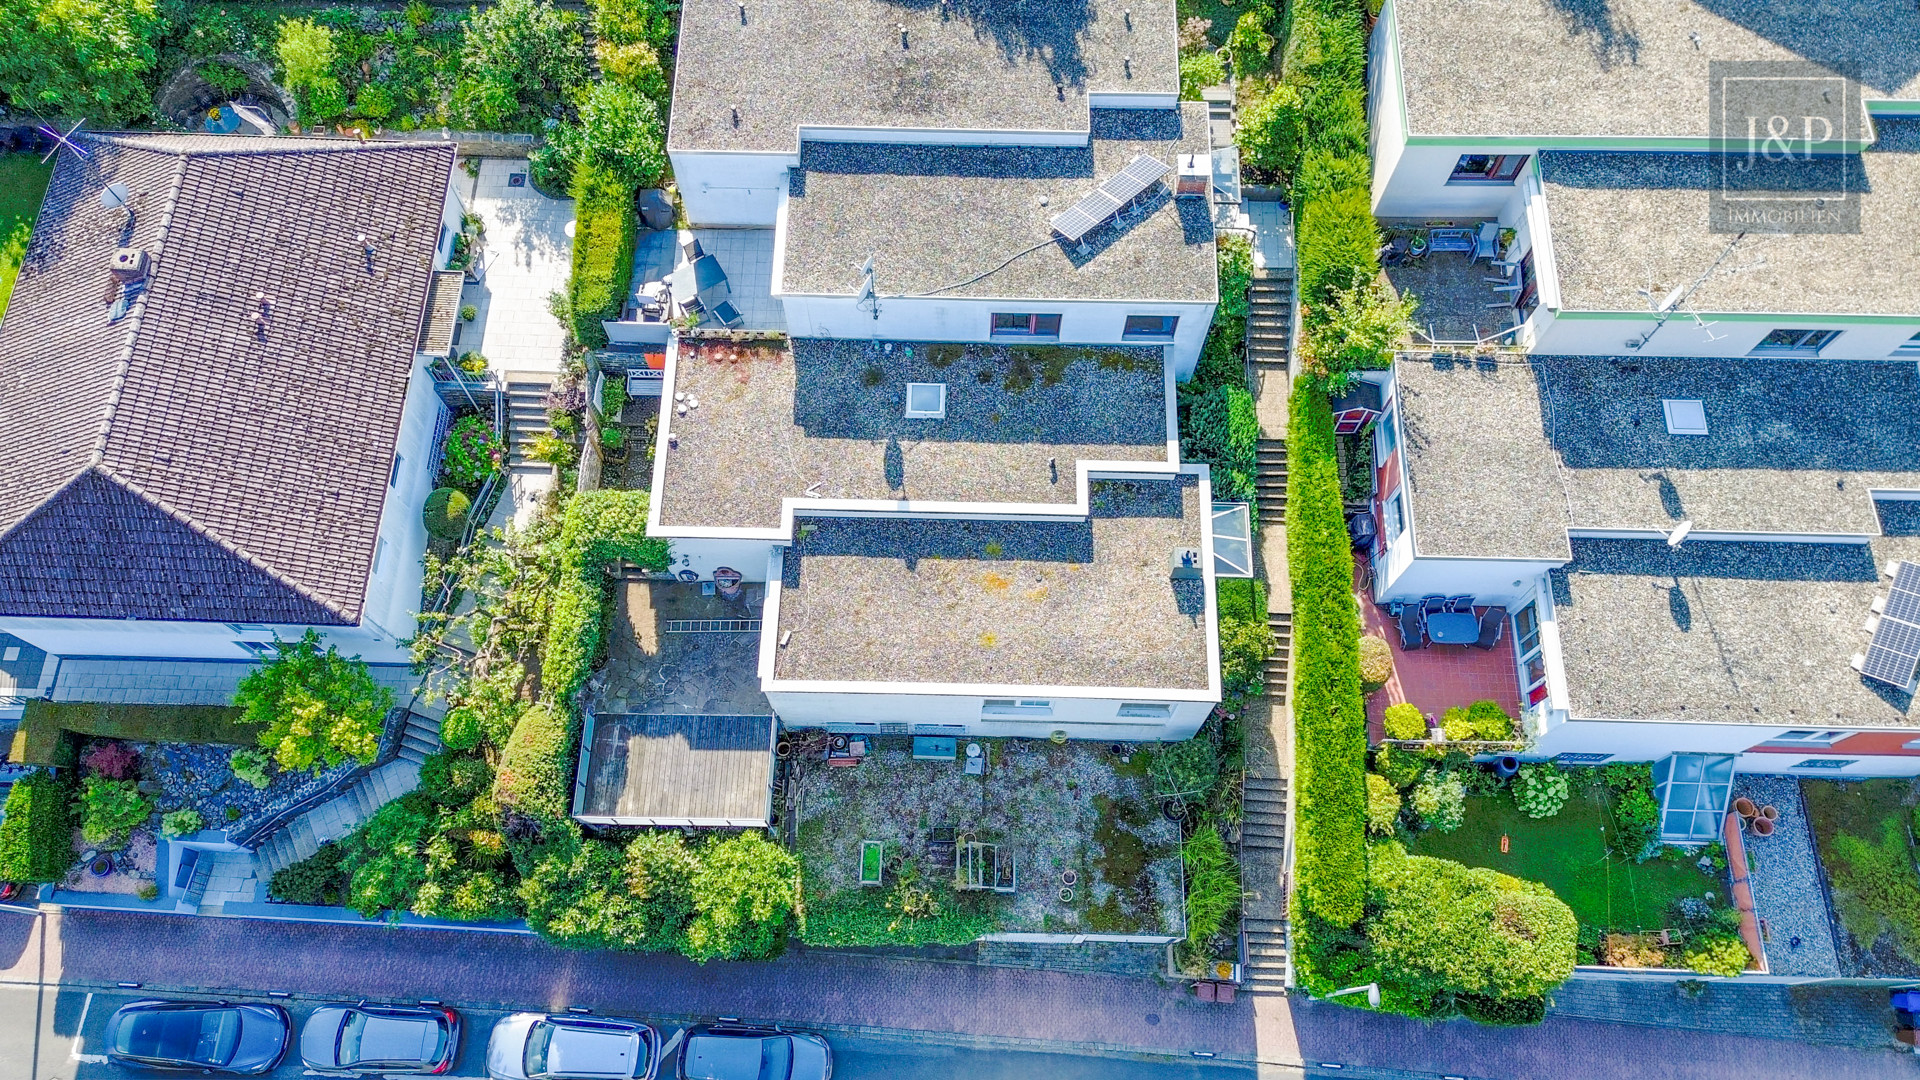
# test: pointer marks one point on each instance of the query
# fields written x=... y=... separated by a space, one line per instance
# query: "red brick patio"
x=1440 y=676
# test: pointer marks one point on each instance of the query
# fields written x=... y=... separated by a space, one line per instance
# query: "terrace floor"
x=529 y=254
x=1439 y=677
x=745 y=254
x=1457 y=303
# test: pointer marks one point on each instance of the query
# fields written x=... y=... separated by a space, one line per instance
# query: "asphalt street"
x=56 y=1033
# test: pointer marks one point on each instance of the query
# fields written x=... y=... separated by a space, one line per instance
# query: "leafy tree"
x=634 y=22
x=1383 y=805
x=1269 y=134
x=320 y=709
x=36 y=835
x=622 y=132
x=528 y=49
x=746 y=898
x=76 y=58
x=1199 y=70
x=306 y=53
x=485 y=709
x=1444 y=929
x=1360 y=327
x=110 y=809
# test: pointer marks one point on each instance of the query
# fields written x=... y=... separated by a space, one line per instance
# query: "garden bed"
x=1056 y=810
x=1863 y=831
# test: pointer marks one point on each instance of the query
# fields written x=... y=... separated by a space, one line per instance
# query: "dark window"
x=1150 y=327
x=1580 y=759
x=1825 y=763
x=1910 y=346
x=1017 y=325
x=1795 y=341
x=1387 y=437
x=1396 y=518
x=1487 y=168
x=1146 y=710
x=393 y=478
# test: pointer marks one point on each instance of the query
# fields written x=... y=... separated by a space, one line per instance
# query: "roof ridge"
x=304 y=144
x=202 y=530
x=135 y=314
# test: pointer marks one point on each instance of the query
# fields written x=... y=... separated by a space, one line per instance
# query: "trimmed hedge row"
x=606 y=231
x=599 y=527
x=36 y=839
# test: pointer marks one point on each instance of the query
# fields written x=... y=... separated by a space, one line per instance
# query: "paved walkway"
x=181 y=682
x=529 y=248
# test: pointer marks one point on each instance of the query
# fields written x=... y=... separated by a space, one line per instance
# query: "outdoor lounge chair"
x=692 y=249
x=1486 y=244
x=1493 y=622
x=1412 y=634
x=728 y=315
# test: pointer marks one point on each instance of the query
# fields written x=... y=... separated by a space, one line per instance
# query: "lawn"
x=1863 y=833
x=23 y=180
x=1567 y=853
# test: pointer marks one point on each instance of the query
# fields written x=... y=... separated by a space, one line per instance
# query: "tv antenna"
x=1665 y=307
x=60 y=140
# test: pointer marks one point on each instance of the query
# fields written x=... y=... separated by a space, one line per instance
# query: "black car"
x=371 y=1039
x=199 y=1036
x=736 y=1052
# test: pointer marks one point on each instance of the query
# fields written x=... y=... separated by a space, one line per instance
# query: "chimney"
x=129 y=264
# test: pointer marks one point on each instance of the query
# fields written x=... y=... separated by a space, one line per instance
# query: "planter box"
x=871 y=861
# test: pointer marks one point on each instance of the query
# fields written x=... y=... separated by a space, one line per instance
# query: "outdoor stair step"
x=1259 y=817
x=1274 y=951
x=1259 y=925
x=1267 y=968
x=1277 y=843
x=420 y=743
x=1250 y=794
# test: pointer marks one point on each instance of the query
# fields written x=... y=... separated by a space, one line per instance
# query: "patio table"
x=1453 y=628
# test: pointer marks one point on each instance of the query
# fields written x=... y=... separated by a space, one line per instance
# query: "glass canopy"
x=1692 y=790
x=1232 y=540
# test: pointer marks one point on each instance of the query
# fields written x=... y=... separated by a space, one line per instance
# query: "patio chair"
x=692 y=249
x=1493 y=622
x=1413 y=634
x=1463 y=604
x=1486 y=245
x=728 y=315
x=1433 y=605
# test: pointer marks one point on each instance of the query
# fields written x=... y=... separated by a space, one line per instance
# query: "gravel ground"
x=1786 y=882
x=195 y=776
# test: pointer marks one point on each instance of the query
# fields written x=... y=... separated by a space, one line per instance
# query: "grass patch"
x=1862 y=831
x=23 y=180
x=1567 y=853
x=38 y=740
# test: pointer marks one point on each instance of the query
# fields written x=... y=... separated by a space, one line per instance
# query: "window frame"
x=393 y=476
x=1039 y=324
x=1015 y=708
x=1810 y=737
x=1386 y=437
x=1146 y=710
x=1393 y=518
x=1827 y=763
x=1529 y=654
x=1503 y=170
x=1807 y=341
x=1909 y=347
x=1172 y=323
x=939 y=413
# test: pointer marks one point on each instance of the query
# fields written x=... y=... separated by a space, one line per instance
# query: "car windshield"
x=539 y=1037
x=776 y=1058
x=203 y=1037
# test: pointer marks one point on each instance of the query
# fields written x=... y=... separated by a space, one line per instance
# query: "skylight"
x=1685 y=416
x=926 y=400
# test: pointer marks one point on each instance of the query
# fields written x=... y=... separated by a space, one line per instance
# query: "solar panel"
x=1101 y=203
x=1893 y=653
x=1904 y=602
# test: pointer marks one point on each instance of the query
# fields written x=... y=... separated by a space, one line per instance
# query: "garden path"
x=1787 y=894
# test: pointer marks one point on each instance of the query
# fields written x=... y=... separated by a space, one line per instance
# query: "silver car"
x=535 y=1046
x=737 y=1052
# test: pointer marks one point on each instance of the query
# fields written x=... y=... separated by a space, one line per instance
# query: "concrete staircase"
x=1280 y=661
x=332 y=820
x=526 y=417
x=1270 y=482
x=1219 y=101
x=1263 y=846
x=1270 y=319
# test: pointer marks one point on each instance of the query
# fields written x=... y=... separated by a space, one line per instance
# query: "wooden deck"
x=678 y=770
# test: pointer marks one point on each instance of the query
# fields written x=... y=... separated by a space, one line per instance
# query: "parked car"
x=199 y=1036
x=735 y=1052
x=535 y=1046
x=366 y=1039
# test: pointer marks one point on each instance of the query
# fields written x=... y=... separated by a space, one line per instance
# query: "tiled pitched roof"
x=268 y=449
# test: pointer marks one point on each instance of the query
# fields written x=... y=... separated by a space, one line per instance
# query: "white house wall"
x=730 y=188
x=1574 y=333
x=1082 y=322
x=1632 y=740
x=393 y=593
x=1488 y=581
x=1386 y=122
x=1080 y=718
x=702 y=554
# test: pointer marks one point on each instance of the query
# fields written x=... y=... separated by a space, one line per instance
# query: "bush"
x=1213 y=884
x=112 y=759
x=1250 y=44
x=251 y=766
x=318 y=708
x=909 y=913
x=317 y=879
x=384 y=862
x=606 y=230
x=1540 y=790
x=1337 y=246
x=306 y=51
x=376 y=102
x=181 y=823
x=1376 y=663
x=1223 y=430
x=446 y=513
x=75 y=58
x=1444 y=929
x=323 y=102
x=111 y=809
x=536 y=769
x=1456 y=725
x=634 y=22
x=1503 y=1012
x=1383 y=805
x=1441 y=802
x=455 y=779
x=1221 y=355
x=622 y=133
x=36 y=835
x=1244 y=647
x=523 y=52
x=1405 y=721
x=1269 y=136
x=1359 y=328
x=1402 y=768
x=599 y=527
x=589 y=894
x=473 y=452
x=1186 y=769
x=484 y=710
x=1198 y=71
x=746 y=899
x=1717 y=954
x=1490 y=721
x=1636 y=815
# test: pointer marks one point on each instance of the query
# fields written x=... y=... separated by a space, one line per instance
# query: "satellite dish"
x=866 y=292
x=1673 y=298
x=867 y=267
x=116 y=196
x=1679 y=534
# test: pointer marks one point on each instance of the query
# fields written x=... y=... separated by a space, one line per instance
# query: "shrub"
x=1360 y=327
x=224 y=78
x=599 y=527
x=1636 y=815
x=181 y=823
x=484 y=710
x=36 y=834
x=324 y=101
x=1402 y=768
x=112 y=759
x=318 y=708
x=1540 y=790
x=1376 y=662
x=622 y=132
x=1503 y=1012
x=473 y=452
x=1445 y=929
x=454 y=779
x=1244 y=647
x=606 y=230
x=1490 y=721
x=629 y=22
x=306 y=51
x=1405 y=721
x=536 y=767
x=383 y=860
x=1250 y=43
x=1213 y=884
x=251 y=766
x=376 y=102
x=1223 y=430
x=1199 y=70
x=1222 y=354
x=746 y=899
x=110 y=809
x=1441 y=802
x=1269 y=136
x=1337 y=247
x=1383 y=805
x=1186 y=769
x=1717 y=954
x=446 y=513
x=317 y=879
x=524 y=51
x=1456 y=725
x=74 y=58
x=589 y=894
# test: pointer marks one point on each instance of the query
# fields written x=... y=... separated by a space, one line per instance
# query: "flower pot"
x=1506 y=768
x=1762 y=826
x=1770 y=813
x=1068 y=878
x=1744 y=807
x=1066 y=895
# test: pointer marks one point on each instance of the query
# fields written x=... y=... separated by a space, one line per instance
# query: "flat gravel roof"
x=1756 y=633
x=1068 y=603
x=976 y=65
x=827 y=418
x=1625 y=222
x=1627 y=67
x=973 y=221
x=1502 y=458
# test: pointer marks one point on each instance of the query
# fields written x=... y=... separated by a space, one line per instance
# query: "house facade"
x=230 y=429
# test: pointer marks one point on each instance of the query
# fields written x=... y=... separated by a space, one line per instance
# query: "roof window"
x=1685 y=416
x=926 y=400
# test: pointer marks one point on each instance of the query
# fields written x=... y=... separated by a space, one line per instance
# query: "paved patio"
x=529 y=254
x=1457 y=303
x=1440 y=676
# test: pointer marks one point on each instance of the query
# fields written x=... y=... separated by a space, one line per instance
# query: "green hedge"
x=605 y=233
x=599 y=527
x=39 y=741
x=1330 y=719
x=1223 y=430
x=536 y=769
x=36 y=839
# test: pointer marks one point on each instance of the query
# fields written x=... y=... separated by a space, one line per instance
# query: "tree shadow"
x=1612 y=37
x=1050 y=32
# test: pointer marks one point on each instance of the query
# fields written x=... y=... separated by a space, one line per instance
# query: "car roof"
x=390 y=1038
x=724 y=1055
x=578 y=1049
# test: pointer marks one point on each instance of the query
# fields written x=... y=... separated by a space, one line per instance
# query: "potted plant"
x=468 y=312
x=871 y=853
x=1418 y=245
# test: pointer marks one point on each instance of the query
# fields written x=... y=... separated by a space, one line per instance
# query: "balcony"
x=1459 y=305
x=1437 y=678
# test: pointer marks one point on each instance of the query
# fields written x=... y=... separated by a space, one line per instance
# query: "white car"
x=535 y=1046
